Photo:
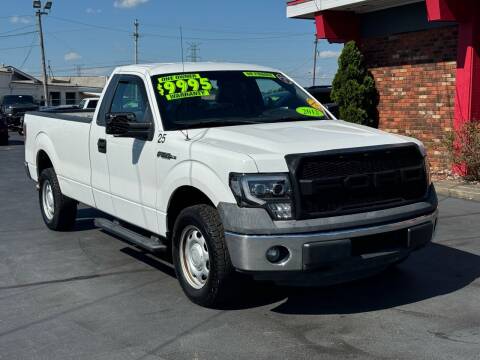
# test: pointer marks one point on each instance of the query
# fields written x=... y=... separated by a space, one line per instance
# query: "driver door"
x=132 y=161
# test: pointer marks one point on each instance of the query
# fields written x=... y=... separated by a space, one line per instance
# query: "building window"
x=70 y=98
x=55 y=99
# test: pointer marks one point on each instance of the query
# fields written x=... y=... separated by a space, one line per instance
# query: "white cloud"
x=93 y=11
x=72 y=56
x=126 y=4
x=328 y=54
x=19 y=20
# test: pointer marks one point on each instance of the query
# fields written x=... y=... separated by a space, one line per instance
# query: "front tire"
x=201 y=258
x=59 y=212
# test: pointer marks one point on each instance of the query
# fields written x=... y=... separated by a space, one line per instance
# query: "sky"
x=90 y=37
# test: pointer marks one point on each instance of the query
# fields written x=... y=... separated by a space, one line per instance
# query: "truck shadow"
x=434 y=271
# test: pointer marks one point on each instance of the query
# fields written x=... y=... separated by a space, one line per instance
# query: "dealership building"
x=424 y=56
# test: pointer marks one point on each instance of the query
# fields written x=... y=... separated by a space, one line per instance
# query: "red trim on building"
x=296 y=2
x=337 y=26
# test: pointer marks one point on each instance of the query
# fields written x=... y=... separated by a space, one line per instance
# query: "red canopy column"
x=467 y=14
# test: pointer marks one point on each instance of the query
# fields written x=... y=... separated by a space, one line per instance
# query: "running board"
x=152 y=244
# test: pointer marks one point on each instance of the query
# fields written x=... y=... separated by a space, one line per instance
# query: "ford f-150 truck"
x=236 y=170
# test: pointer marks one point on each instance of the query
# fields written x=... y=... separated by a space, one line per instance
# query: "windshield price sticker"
x=259 y=74
x=181 y=86
x=315 y=104
x=308 y=111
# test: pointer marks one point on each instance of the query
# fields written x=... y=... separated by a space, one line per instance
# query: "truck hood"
x=267 y=144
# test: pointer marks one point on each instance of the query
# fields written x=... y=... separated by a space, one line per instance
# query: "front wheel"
x=59 y=212
x=201 y=258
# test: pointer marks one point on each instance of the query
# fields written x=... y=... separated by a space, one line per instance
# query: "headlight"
x=270 y=191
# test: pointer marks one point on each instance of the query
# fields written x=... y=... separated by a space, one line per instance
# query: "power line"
x=223 y=31
x=227 y=39
x=279 y=36
x=90 y=25
x=12 y=16
x=17 y=29
x=17 y=47
x=28 y=53
x=19 y=34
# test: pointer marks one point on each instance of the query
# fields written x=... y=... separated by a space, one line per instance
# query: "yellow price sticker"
x=309 y=111
x=180 y=86
x=259 y=74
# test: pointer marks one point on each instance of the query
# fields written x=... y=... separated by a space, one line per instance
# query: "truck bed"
x=65 y=138
x=71 y=115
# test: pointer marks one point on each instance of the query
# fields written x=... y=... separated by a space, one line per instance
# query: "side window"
x=130 y=96
x=92 y=104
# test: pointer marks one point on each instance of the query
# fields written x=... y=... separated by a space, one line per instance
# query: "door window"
x=130 y=96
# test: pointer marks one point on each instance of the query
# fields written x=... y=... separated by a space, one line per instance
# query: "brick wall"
x=415 y=77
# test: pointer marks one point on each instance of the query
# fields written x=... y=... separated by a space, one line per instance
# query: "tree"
x=354 y=88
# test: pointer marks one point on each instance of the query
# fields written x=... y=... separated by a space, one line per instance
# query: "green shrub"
x=353 y=88
x=463 y=147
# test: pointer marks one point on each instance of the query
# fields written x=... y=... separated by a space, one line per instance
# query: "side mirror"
x=125 y=125
x=333 y=108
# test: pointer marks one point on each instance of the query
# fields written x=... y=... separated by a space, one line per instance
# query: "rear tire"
x=59 y=212
x=4 y=139
x=201 y=258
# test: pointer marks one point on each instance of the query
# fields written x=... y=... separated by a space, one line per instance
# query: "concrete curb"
x=458 y=190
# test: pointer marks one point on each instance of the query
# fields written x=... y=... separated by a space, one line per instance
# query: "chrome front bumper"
x=326 y=248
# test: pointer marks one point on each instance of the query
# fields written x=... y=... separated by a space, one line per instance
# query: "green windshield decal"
x=180 y=86
x=309 y=111
x=259 y=74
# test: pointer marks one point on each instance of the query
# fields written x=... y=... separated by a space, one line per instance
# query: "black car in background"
x=322 y=94
x=14 y=107
x=3 y=131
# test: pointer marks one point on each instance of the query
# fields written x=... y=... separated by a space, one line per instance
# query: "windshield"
x=223 y=98
x=17 y=99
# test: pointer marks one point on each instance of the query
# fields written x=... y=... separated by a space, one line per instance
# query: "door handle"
x=102 y=146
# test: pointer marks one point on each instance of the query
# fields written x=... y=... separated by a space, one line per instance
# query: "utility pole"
x=193 y=52
x=315 y=54
x=78 y=68
x=135 y=39
x=39 y=12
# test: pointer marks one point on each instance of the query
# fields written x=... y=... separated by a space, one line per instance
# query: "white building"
x=63 y=90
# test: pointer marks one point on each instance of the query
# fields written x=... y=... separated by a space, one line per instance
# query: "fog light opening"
x=277 y=254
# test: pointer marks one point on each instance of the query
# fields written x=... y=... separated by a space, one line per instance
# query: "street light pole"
x=48 y=5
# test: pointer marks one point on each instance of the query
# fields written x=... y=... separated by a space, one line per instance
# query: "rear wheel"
x=4 y=139
x=59 y=212
x=201 y=258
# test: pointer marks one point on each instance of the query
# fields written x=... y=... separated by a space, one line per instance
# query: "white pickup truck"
x=236 y=169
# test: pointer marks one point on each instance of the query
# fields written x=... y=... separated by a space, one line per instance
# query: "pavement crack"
x=74 y=278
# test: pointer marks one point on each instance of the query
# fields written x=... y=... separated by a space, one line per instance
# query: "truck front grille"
x=349 y=181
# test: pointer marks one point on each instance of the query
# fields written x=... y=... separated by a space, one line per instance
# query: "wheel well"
x=43 y=162
x=182 y=198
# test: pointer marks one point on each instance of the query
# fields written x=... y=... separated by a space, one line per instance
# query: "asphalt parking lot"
x=87 y=295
